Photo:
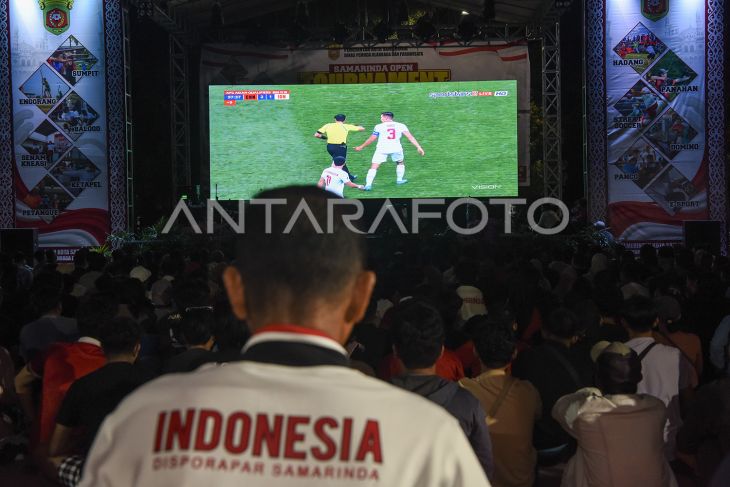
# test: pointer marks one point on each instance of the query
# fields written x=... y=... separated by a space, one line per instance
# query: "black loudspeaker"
x=704 y=234
x=24 y=240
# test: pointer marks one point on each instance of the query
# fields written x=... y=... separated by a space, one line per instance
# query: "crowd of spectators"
x=612 y=365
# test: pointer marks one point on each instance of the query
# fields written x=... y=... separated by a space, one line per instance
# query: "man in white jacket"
x=291 y=413
x=619 y=432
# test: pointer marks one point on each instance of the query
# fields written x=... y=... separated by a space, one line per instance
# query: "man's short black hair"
x=96 y=261
x=196 y=326
x=119 y=336
x=340 y=117
x=639 y=313
x=189 y=293
x=339 y=161
x=494 y=339
x=388 y=114
x=563 y=323
x=95 y=311
x=303 y=264
x=418 y=333
x=45 y=298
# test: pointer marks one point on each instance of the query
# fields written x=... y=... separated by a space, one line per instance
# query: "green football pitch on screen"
x=263 y=137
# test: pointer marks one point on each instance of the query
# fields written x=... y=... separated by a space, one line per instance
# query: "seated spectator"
x=555 y=371
x=465 y=351
x=720 y=347
x=39 y=261
x=472 y=299
x=292 y=403
x=512 y=405
x=672 y=330
x=665 y=374
x=609 y=300
x=24 y=271
x=448 y=366
x=619 y=432
x=722 y=474
x=63 y=363
x=92 y=397
x=96 y=263
x=599 y=263
x=631 y=281
x=11 y=443
x=196 y=332
x=418 y=340
x=231 y=334
x=38 y=335
x=371 y=343
x=705 y=433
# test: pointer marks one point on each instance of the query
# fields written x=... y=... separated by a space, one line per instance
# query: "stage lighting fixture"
x=298 y=33
x=490 y=11
x=467 y=30
x=464 y=12
x=339 y=32
x=382 y=31
x=424 y=29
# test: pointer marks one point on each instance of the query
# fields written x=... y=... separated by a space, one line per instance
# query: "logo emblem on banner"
x=333 y=51
x=654 y=9
x=56 y=15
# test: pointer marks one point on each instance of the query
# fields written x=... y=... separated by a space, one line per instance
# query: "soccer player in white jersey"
x=388 y=133
x=334 y=178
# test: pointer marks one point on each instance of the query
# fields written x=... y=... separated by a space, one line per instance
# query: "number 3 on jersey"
x=391 y=134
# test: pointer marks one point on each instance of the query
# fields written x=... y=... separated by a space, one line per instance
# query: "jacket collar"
x=294 y=345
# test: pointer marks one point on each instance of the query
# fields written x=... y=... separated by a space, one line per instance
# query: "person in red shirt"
x=448 y=366
x=62 y=364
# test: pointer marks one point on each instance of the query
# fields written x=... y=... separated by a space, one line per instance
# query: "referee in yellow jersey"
x=336 y=136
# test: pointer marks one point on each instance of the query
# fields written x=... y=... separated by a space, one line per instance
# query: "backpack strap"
x=674 y=344
x=508 y=381
x=646 y=351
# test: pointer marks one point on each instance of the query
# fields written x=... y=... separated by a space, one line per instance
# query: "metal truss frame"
x=552 y=110
x=545 y=27
x=179 y=116
x=128 y=121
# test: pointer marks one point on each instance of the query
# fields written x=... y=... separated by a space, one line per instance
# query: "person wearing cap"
x=335 y=178
x=619 y=432
x=140 y=273
x=666 y=374
x=335 y=134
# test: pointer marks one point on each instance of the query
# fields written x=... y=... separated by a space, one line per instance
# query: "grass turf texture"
x=469 y=141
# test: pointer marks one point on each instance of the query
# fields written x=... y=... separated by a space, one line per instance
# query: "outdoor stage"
x=654 y=116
